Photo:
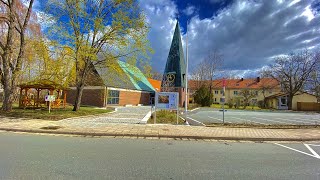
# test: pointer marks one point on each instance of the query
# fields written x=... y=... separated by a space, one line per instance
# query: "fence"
x=308 y=106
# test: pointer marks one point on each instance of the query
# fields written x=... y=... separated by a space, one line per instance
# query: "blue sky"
x=249 y=33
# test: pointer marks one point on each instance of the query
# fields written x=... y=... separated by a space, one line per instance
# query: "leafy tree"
x=99 y=32
x=17 y=24
x=202 y=96
x=292 y=71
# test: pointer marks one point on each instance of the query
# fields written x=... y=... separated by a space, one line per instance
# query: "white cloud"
x=190 y=10
x=161 y=16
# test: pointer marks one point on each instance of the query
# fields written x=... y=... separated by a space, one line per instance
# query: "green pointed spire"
x=175 y=70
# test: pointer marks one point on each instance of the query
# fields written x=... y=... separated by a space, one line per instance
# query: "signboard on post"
x=50 y=98
x=167 y=101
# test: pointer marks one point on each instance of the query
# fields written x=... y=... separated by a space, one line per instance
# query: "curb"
x=158 y=136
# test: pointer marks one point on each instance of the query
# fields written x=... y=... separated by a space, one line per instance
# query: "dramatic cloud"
x=161 y=16
x=248 y=33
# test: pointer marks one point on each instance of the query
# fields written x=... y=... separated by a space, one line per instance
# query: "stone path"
x=128 y=115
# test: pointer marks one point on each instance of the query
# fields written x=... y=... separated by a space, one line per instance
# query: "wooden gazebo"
x=32 y=94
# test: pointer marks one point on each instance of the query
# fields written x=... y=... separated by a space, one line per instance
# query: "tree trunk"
x=77 y=102
x=290 y=97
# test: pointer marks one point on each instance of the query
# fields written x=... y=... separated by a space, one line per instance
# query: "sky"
x=248 y=33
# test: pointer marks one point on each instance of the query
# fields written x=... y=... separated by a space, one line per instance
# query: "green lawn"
x=55 y=114
x=165 y=117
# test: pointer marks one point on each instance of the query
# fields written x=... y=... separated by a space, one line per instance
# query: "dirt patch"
x=51 y=127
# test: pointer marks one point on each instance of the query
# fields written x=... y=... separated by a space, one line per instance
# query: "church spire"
x=175 y=71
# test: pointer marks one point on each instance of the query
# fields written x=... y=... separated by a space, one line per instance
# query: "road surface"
x=28 y=156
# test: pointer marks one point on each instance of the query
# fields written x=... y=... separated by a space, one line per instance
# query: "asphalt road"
x=27 y=156
x=209 y=115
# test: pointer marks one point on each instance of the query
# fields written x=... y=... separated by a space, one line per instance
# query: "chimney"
x=258 y=79
x=241 y=79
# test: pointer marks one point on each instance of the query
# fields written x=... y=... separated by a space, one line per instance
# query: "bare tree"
x=157 y=76
x=314 y=80
x=199 y=74
x=247 y=95
x=213 y=61
x=292 y=71
x=14 y=19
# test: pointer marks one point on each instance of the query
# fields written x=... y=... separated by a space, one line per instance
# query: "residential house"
x=261 y=87
x=280 y=100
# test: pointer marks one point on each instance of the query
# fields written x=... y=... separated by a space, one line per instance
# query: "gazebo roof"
x=43 y=84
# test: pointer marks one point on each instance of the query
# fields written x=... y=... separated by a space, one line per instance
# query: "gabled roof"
x=155 y=83
x=125 y=76
x=253 y=83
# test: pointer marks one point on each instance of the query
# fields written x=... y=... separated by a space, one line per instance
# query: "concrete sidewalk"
x=160 y=131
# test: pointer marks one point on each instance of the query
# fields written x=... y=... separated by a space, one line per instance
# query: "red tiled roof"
x=155 y=84
x=238 y=83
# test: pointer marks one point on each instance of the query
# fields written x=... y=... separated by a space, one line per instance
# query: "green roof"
x=125 y=76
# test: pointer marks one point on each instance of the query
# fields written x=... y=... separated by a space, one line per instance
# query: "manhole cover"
x=51 y=127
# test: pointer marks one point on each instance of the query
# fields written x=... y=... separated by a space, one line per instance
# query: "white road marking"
x=196 y=121
x=218 y=119
x=194 y=109
x=312 y=151
x=312 y=155
x=314 y=145
x=249 y=120
x=270 y=120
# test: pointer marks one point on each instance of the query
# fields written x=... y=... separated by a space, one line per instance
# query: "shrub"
x=230 y=103
x=202 y=96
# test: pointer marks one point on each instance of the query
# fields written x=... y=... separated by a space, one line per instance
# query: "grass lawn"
x=165 y=117
x=219 y=106
x=55 y=114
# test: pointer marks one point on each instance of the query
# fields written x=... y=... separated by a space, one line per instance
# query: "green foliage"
x=230 y=103
x=202 y=96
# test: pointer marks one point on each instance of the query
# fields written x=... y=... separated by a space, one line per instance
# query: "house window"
x=235 y=92
x=215 y=99
x=221 y=92
x=113 y=97
x=237 y=84
x=257 y=93
x=270 y=92
x=216 y=92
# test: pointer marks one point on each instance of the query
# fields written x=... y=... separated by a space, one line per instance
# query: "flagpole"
x=187 y=99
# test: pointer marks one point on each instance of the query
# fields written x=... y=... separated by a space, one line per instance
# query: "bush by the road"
x=202 y=96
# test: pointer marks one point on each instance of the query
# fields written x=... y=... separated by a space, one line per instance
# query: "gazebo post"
x=64 y=98
x=20 y=98
x=38 y=96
